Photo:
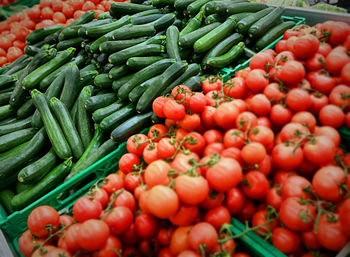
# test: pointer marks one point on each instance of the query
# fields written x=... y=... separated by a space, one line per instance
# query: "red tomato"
x=235 y=88
x=46 y=13
x=291 y=73
x=57 y=5
x=114 y=182
x=260 y=104
x=99 y=195
x=283 y=57
x=253 y=153
x=234 y=138
x=77 y=14
x=281 y=46
x=13 y=53
x=26 y=243
x=182 y=163
x=235 y=200
x=188 y=253
x=320 y=147
x=162 y=202
x=280 y=115
x=186 y=215
x=88 y=5
x=255 y=185
x=217 y=217
x=247 y=211
x=85 y=208
x=202 y=233
x=58 y=17
x=125 y=199
x=190 y=121
x=71 y=237
x=294 y=186
x=136 y=144
x=331 y=115
x=128 y=162
x=336 y=60
x=257 y=80
x=310 y=240
x=207 y=117
x=157 y=173
x=318 y=101
x=179 y=240
x=40 y=218
x=306 y=119
x=274 y=198
x=316 y=62
x=197 y=102
x=118 y=220
x=340 y=95
x=298 y=100
x=67 y=10
x=211 y=84
x=306 y=46
x=344 y=216
x=261 y=61
x=195 y=142
x=273 y=92
x=261 y=217
x=285 y=157
x=285 y=240
x=191 y=190
x=110 y=249
x=146 y=225
x=226 y=114
x=93 y=235
x=173 y=110
x=293 y=132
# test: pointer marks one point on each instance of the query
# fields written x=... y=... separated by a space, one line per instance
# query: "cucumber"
x=100 y=101
x=224 y=60
x=213 y=18
x=38 y=74
x=272 y=34
x=130 y=127
x=162 y=2
x=6 y=196
x=94 y=23
x=143 y=75
x=192 y=25
x=194 y=83
x=85 y=18
x=172 y=43
x=245 y=7
x=219 y=7
x=216 y=35
x=35 y=171
x=120 y=82
x=104 y=15
x=72 y=86
x=121 y=8
x=7 y=81
x=73 y=42
x=83 y=118
x=118 y=71
x=20 y=187
x=52 y=39
x=240 y=16
x=132 y=31
x=146 y=19
x=136 y=93
x=15 y=126
x=15 y=138
x=194 y=7
x=50 y=181
x=99 y=31
x=94 y=46
x=6 y=90
x=222 y=47
x=26 y=110
x=6 y=111
x=71 y=134
x=189 y=39
x=248 y=53
x=244 y=24
x=182 y=4
x=102 y=113
x=18 y=64
x=19 y=156
x=138 y=63
x=114 y=46
x=107 y=68
x=31 y=50
x=264 y=24
x=163 y=22
x=5 y=98
x=54 y=131
x=154 y=90
x=192 y=69
x=146 y=13
x=40 y=34
x=69 y=32
x=102 y=58
x=143 y=50
x=112 y=121
x=103 y=81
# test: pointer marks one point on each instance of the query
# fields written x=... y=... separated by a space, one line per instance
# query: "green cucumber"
x=219 y=7
x=194 y=83
x=154 y=90
x=100 y=101
x=132 y=31
x=142 y=50
x=182 y=4
x=52 y=39
x=273 y=34
x=216 y=35
x=85 y=18
x=15 y=126
x=27 y=109
x=114 y=46
x=104 y=15
x=118 y=71
x=87 y=77
x=146 y=13
x=143 y=75
x=172 y=43
x=107 y=68
x=15 y=138
x=94 y=46
x=6 y=111
x=130 y=127
x=260 y=27
x=35 y=171
x=138 y=63
x=146 y=19
x=194 y=7
x=40 y=34
x=189 y=39
x=120 y=82
x=213 y=18
x=49 y=182
x=163 y=22
x=121 y=8
x=244 y=24
x=5 y=98
x=245 y=7
x=7 y=81
x=99 y=31
x=31 y=50
x=136 y=93
x=71 y=134
x=94 y=23
x=83 y=121
x=102 y=113
x=38 y=74
x=103 y=81
x=20 y=187
x=162 y=2
x=71 y=86
x=192 y=25
x=6 y=196
x=112 y=121
x=73 y=42
x=69 y=32
x=18 y=64
x=54 y=131
x=224 y=60
x=248 y=53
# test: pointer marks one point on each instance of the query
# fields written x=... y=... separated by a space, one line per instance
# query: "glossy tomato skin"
x=185 y=216
x=191 y=190
x=162 y=202
x=179 y=240
x=93 y=234
x=274 y=198
x=295 y=186
x=235 y=200
x=259 y=218
x=320 y=150
x=285 y=157
x=146 y=225
x=344 y=217
x=285 y=240
x=40 y=217
x=255 y=185
x=118 y=220
x=110 y=249
x=218 y=216
x=26 y=243
x=310 y=240
x=202 y=233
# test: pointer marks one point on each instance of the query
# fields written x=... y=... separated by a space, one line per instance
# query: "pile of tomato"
x=262 y=147
x=6 y=2
x=14 y=30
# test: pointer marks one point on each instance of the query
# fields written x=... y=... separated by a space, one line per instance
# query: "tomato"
x=110 y=249
x=173 y=110
x=195 y=142
x=182 y=162
x=285 y=157
x=165 y=252
x=146 y=225
x=114 y=182
x=71 y=237
x=119 y=219
x=285 y=240
x=260 y=104
x=262 y=135
x=264 y=121
x=318 y=101
x=214 y=199
x=130 y=251
x=99 y=195
x=46 y=249
x=226 y=114
x=26 y=243
x=320 y=147
x=281 y=46
x=207 y=117
x=125 y=199
x=306 y=119
x=46 y=13
x=321 y=82
x=190 y=121
x=213 y=136
x=156 y=132
x=344 y=216
x=164 y=235
x=294 y=186
x=255 y=185
x=261 y=217
x=157 y=106
x=179 y=240
x=150 y=153
x=128 y=162
x=257 y=81
x=191 y=190
x=203 y=233
x=242 y=73
x=280 y=115
x=235 y=88
x=345 y=74
x=298 y=100
x=336 y=60
x=273 y=92
x=274 y=198
x=188 y=253
x=306 y=46
x=66 y=220
x=330 y=233
x=218 y=216
x=247 y=211
x=234 y=138
x=197 y=102
x=213 y=148
x=284 y=57
x=280 y=176
x=339 y=31
x=241 y=255
x=261 y=61
x=185 y=216
x=331 y=115
x=162 y=202
x=340 y=96
x=225 y=174
x=211 y=84
x=13 y=53
x=85 y=208
x=156 y=173
x=67 y=10
x=40 y=218
x=136 y=144
x=253 y=153
x=93 y=234
x=310 y=240
x=293 y=132
x=166 y=148
x=291 y=73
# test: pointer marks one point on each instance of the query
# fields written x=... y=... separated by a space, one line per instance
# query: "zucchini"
x=112 y=121
x=146 y=13
x=132 y=31
x=118 y=71
x=138 y=50
x=26 y=110
x=52 y=39
x=143 y=75
x=162 y=2
x=273 y=34
x=6 y=111
x=35 y=171
x=54 y=131
x=224 y=60
x=100 y=101
x=50 y=181
x=194 y=7
x=40 y=34
x=138 y=63
x=38 y=74
x=6 y=196
x=114 y=46
x=15 y=126
x=102 y=113
x=5 y=98
x=121 y=8
x=6 y=90
x=94 y=46
x=182 y=4
x=102 y=58
x=7 y=81
x=20 y=187
x=15 y=138
x=163 y=22
x=244 y=24
x=99 y=31
x=219 y=7
x=104 y=15
x=83 y=119
x=130 y=127
x=192 y=25
x=69 y=32
x=245 y=7
x=85 y=18
x=18 y=64
x=136 y=93
x=120 y=82
x=103 y=81
x=72 y=86
x=73 y=42
x=172 y=43
x=94 y=23
x=264 y=24
x=194 y=83
x=248 y=53
x=154 y=90
x=189 y=39
x=31 y=50
x=71 y=134
x=146 y=19
x=107 y=68
x=216 y=35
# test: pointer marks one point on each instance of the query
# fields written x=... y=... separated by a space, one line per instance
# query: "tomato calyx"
x=110 y=207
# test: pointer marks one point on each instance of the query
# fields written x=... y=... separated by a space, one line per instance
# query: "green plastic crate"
x=344 y=132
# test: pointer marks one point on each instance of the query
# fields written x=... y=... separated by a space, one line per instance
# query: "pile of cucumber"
x=80 y=90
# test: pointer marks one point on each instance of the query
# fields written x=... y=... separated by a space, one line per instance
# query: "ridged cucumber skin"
x=120 y=82
x=122 y=8
x=172 y=43
x=100 y=101
x=163 y=22
x=118 y=72
x=101 y=113
x=15 y=126
x=134 y=31
x=15 y=138
x=5 y=98
x=73 y=42
x=194 y=83
x=245 y=7
x=54 y=131
x=71 y=86
x=138 y=63
x=40 y=34
x=6 y=111
x=99 y=31
x=244 y=24
x=194 y=7
x=137 y=92
x=182 y=4
x=26 y=110
x=227 y=58
x=6 y=81
x=35 y=171
x=83 y=118
x=192 y=25
x=115 y=46
x=189 y=39
x=85 y=18
x=116 y=118
x=146 y=19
